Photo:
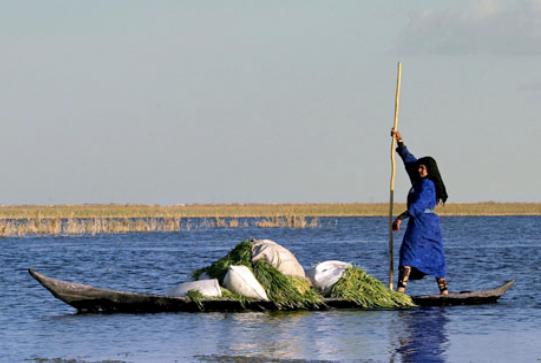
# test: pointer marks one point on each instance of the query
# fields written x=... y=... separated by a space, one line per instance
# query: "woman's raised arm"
x=410 y=161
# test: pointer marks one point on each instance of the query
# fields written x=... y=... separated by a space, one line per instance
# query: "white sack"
x=208 y=288
x=240 y=280
x=278 y=256
x=325 y=274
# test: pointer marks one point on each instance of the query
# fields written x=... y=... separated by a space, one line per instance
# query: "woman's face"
x=422 y=170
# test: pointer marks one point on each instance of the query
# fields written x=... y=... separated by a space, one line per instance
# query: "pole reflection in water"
x=421 y=335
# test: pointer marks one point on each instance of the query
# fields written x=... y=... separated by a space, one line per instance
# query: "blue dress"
x=422 y=247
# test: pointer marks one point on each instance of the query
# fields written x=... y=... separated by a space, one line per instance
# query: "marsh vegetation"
x=20 y=220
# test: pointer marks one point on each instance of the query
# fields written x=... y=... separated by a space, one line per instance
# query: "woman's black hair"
x=434 y=175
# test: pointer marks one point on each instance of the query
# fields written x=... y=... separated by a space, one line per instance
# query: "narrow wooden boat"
x=88 y=299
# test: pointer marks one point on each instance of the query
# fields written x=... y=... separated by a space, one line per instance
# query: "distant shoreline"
x=92 y=219
x=254 y=210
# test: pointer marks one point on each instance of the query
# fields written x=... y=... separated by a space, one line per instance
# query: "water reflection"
x=422 y=336
x=344 y=335
x=277 y=335
x=38 y=325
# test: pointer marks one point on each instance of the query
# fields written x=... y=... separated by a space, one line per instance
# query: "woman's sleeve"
x=423 y=198
x=409 y=160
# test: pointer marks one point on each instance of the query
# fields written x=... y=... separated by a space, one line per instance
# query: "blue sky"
x=251 y=101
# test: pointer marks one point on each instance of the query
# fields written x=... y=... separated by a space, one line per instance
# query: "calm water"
x=481 y=252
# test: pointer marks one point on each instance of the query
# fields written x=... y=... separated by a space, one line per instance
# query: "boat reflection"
x=422 y=335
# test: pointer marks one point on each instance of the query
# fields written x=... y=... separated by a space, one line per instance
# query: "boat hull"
x=89 y=299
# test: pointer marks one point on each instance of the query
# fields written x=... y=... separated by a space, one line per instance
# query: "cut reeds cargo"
x=367 y=291
x=295 y=293
x=277 y=256
x=286 y=292
x=240 y=255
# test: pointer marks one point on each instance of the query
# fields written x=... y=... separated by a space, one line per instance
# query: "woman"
x=421 y=252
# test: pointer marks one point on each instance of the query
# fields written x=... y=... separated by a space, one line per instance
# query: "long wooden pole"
x=393 y=176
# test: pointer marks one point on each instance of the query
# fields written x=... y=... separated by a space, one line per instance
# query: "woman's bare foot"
x=444 y=292
x=442 y=285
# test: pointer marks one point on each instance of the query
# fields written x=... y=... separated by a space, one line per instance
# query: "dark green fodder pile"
x=197 y=298
x=285 y=292
x=368 y=292
x=240 y=255
x=288 y=292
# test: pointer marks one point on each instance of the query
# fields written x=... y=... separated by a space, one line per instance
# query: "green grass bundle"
x=196 y=297
x=228 y=294
x=240 y=255
x=285 y=291
x=367 y=291
x=289 y=292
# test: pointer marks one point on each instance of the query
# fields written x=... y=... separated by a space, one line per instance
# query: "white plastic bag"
x=326 y=274
x=278 y=256
x=208 y=288
x=240 y=280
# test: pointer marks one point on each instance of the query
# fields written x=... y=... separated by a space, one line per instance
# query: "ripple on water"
x=481 y=252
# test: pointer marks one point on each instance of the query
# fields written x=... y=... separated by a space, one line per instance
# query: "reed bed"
x=21 y=220
x=93 y=226
x=85 y=211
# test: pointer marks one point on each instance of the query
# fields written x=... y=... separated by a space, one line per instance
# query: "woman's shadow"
x=421 y=335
